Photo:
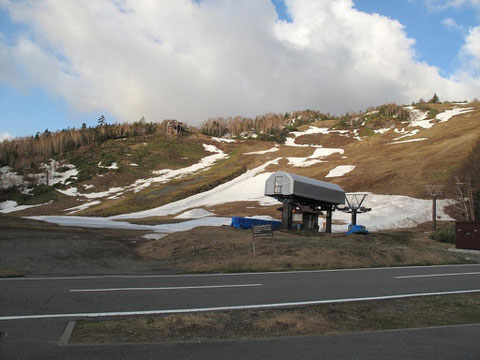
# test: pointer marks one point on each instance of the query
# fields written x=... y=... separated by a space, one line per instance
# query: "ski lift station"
x=311 y=196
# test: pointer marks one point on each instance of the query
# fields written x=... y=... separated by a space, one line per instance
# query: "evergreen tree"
x=102 y=120
x=434 y=99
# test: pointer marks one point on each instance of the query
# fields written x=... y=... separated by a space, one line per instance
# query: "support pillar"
x=328 y=221
x=354 y=217
x=287 y=216
x=434 y=212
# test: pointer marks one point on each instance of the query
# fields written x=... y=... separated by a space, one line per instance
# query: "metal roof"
x=304 y=187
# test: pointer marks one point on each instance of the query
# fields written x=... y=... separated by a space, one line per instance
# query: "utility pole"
x=434 y=191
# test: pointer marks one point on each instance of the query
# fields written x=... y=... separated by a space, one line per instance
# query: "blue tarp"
x=247 y=223
x=357 y=229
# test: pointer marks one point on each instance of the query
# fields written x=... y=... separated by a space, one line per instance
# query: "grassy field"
x=313 y=320
x=226 y=249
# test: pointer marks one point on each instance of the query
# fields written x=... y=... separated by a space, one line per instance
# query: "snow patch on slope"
x=340 y=171
x=246 y=187
x=394 y=212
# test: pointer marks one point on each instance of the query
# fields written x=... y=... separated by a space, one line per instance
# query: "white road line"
x=435 y=275
x=166 y=288
x=86 y=277
x=225 y=308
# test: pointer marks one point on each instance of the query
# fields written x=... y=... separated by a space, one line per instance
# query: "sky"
x=65 y=62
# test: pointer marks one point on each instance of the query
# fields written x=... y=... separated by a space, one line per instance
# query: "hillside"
x=389 y=150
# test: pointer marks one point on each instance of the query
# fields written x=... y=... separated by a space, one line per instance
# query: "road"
x=36 y=310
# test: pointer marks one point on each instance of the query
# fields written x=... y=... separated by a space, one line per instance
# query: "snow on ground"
x=194 y=214
x=54 y=176
x=340 y=170
x=382 y=131
x=165 y=175
x=290 y=141
x=418 y=118
x=98 y=222
x=407 y=141
x=113 y=166
x=223 y=140
x=12 y=206
x=9 y=178
x=448 y=114
x=319 y=153
x=247 y=187
x=393 y=212
x=89 y=186
x=407 y=134
x=262 y=151
x=81 y=207
x=168 y=174
x=48 y=175
x=388 y=212
x=133 y=164
x=73 y=191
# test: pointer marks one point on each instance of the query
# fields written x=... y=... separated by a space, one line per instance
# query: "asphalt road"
x=35 y=311
x=77 y=297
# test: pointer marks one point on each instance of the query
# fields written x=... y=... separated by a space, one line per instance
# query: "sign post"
x=261 y=231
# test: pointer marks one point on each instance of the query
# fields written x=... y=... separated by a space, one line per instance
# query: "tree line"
x=27 y=153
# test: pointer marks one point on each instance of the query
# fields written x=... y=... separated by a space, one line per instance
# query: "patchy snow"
x=247 y=187
x=419 y=118
x=9 y=178
x=12 y=206
x=382 y=131
x=165 y=176
x=133 y=164
x=340 y=170
x=84 y=206
x=302 y=161
x=194 y=214
x=168 y=174
x=393 y=212
x=48 y=175
x=290 y=141
x=98 y=222
x=154 y=236
x=113 y=166
x=73 y=191
x=407 y=141
x=448 y=114
x=356 y=136
x=407 y=133
x=319 y=153
x=88 y=186
x=262 y=151
x=223 y=140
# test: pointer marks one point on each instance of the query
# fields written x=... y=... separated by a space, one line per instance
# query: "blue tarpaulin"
x=357 y=229
x=247 y=223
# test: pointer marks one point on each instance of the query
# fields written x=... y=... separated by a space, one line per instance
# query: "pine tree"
x=102 y=120
x=434 y=99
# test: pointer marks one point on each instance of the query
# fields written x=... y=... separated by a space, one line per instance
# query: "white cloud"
x=190 y=61
x=452 y=25
x=5 y=136
x=441 y=5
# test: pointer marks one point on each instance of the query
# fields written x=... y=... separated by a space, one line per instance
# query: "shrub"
x=446 y=235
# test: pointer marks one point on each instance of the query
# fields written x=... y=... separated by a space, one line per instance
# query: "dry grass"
x=225 y=249
x=313 y=320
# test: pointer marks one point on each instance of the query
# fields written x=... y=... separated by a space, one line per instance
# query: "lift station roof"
x=284 y=185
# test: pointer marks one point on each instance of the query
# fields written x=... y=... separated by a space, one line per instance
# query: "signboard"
x=262 y=231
